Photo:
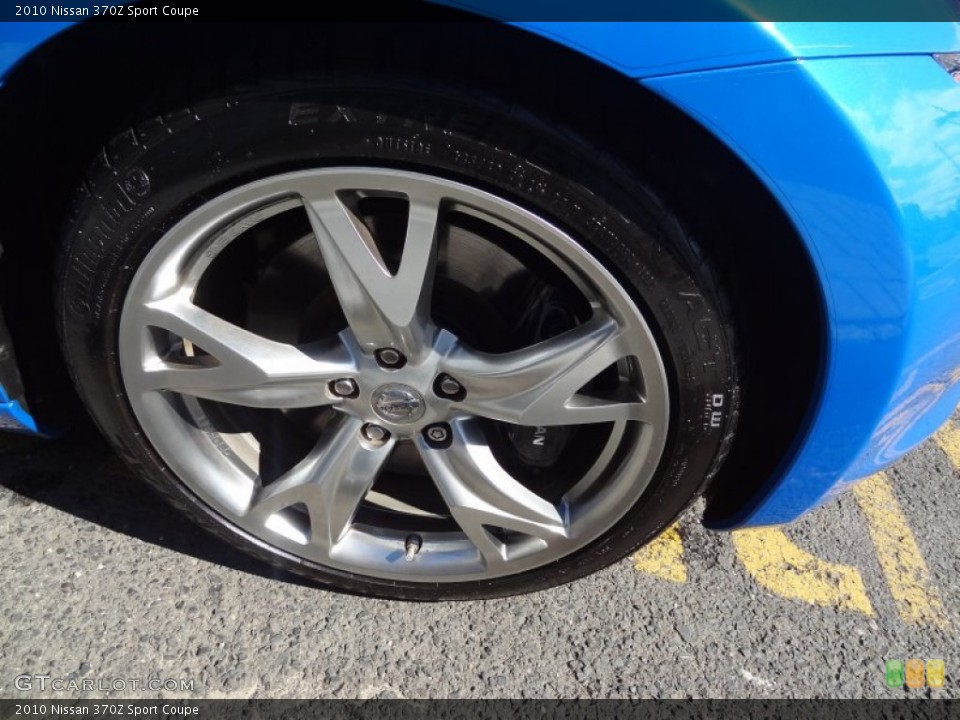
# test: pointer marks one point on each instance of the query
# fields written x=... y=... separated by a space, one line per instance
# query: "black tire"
x=152 y=175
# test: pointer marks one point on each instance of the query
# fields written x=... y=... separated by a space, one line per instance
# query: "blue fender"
x=19 y=39
x=13 y=416
x=864 y=156
x=646 y=49
x=649 y=49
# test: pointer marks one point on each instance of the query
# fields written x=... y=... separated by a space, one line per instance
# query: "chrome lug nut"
x=390 y=358
x=375 y=433
x=345 y=387
x=447 y=387
x=438 y=435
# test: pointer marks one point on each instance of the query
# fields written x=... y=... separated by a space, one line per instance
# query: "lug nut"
x=390 y=358
x=375 y=433
x=438 y=435
x=447 y=387
x=412 y=547
x=345 y=387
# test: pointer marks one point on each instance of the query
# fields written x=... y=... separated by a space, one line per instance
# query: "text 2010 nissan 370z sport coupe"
x=457 y=308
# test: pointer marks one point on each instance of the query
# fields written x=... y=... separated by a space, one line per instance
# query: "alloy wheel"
x=406 y=399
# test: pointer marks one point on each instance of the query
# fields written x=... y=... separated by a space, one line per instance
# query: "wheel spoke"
x=382 y=309
x=331 y=482
x=242 y=368
x=540 y=384
x=479 y=492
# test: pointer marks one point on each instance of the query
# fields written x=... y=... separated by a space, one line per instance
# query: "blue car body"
x=855 y=129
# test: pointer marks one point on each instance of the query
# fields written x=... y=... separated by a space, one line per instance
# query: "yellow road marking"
x=948 y=438
x=907 y=575
x=782 y=567
x=663 y=557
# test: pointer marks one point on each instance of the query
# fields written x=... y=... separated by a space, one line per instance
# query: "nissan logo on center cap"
x=398 y=403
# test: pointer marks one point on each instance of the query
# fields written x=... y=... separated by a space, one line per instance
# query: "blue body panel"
x=645 y=49
x=855 y=129
x=863 y=155
x=14 y=418
x=18 y=39
x=662 y=48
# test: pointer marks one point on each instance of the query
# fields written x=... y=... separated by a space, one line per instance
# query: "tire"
x=610 y=235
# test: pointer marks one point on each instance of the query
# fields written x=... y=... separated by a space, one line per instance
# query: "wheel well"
x=64 y=102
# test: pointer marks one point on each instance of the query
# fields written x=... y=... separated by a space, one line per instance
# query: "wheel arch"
x=94 y=81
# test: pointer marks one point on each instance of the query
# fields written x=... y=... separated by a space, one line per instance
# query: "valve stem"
x=413 y=545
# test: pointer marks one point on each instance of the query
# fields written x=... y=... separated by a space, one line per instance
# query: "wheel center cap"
x=398 y=403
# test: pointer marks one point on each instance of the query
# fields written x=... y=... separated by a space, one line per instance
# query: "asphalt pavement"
x=102 y=583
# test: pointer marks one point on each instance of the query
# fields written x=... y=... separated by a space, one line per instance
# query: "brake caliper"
x=546 y=315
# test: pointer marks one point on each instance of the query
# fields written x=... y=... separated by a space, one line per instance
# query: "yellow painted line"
x=784 y=568
x=663 y=557
x=917 y=600
x=948 y=438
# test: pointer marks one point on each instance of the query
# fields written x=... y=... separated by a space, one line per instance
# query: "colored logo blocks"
x=898 y=673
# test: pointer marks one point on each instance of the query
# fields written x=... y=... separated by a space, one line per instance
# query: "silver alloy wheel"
x=311 y=511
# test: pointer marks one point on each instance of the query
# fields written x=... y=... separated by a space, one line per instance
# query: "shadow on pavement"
x=82 y=476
